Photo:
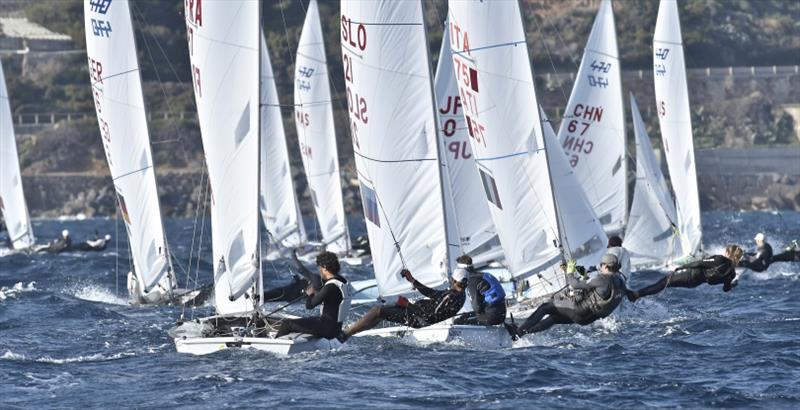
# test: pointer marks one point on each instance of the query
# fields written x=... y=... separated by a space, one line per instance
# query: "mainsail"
x=672 y=105
x=316 y=134
x=650 y=235
x=12 y=198
x=279 y=207
x=511 y=145
x=224 y=51
x=117 y=91
x=467 y=210
x=593 y=129
x=393 y=130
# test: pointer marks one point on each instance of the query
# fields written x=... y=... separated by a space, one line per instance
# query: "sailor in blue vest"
x=487 y=295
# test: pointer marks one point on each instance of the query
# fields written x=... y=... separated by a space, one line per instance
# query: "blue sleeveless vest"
x=495 y=293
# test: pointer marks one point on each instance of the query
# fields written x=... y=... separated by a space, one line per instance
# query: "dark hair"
x=465 y=259
x=329 y=261
x=614 y=241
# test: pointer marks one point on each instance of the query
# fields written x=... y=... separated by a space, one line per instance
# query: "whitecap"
x=14 y=291
x=95 y=293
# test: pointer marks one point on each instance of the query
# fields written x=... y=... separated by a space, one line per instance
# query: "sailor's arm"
x=311 y=277
x=315 y=298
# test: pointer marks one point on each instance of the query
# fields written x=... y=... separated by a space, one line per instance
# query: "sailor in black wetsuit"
x=791 y=253
x=301 y=281
x=334 y=297
x=760 y=260
x=582 y=303
x=714 y=270
x=487 y=296
x=93 y=245
x=439 y=305
x=62 y=244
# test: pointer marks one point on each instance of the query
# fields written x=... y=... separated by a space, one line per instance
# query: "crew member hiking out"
x=759 y=260
x=58 y=245
x=439 y=305
x=487 y=296
x=714 y=270
x=581 y=303
x=615 y=248
x=94 y=245
x=301 y=281
x=791 y=253
x=334 y=297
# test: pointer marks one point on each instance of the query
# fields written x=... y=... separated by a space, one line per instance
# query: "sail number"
x=358 y=41
x=583 y=116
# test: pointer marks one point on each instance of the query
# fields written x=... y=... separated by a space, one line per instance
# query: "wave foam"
x=95 y=293
x=97 y=357
x=14 y=291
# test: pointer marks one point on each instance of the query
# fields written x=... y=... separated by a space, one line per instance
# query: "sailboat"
x=394 y=134
x=650 y=237
x=226 y=52
x=537 y=205
x=280 y=209
x=12 y=198
x=119 y=104
x=592 y=132
x=316 y=135
x=672 y=105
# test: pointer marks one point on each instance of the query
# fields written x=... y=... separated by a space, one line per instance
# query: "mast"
x=259 y=284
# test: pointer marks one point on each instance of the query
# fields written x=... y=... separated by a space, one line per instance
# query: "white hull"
x=477 y=337
x=206 y=345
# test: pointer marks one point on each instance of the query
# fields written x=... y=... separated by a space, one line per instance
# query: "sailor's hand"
x=294 y=253
x=571 y=264
x=402 y=301
x=407 y=275
x=310 y=291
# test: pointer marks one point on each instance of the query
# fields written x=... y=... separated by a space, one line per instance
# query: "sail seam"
x=394 y=160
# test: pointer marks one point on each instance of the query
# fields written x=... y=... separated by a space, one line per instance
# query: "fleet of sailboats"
x=465 y=162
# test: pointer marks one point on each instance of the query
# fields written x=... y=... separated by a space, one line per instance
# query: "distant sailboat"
x=592 y=132
x=226 y=51
x=536 y=203
x=117 y=91
x=12 y=198
x=672 y=105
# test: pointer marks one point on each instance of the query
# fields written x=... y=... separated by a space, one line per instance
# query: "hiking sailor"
x=439 y=305
x=714 y=270
x=791 y=253
x=334 y=296
x=582 y=303
x=301 y=281
x=487 y=296
x=615 y=248
x=58 y=245
x=96 y=244
x=759 y=260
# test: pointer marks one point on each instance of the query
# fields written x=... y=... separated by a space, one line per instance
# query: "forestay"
x=592 y=132
x=672 y=104
x=316 y=134
x=391 y=113
x=650 y=237
x=118 y=100
x=279 y=207
x=12 y=199
x=466 y=207
x=224 y=52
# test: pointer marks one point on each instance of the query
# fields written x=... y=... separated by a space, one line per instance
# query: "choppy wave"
x=14 y=291
x=95 y=293
x=97 y=357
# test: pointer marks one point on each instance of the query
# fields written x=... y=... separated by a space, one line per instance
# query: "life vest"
x=495 y=293
x=600 y=307
x=344 y=307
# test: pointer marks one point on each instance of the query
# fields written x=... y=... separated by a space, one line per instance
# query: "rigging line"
x=572 y=58
x=550 y=58
x=393 y=161
x=200 y=241
x=116 y=252
x=133 y=172
x=100 y=81
x=498 y=45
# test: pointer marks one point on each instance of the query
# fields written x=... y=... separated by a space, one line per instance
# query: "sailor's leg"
x=368 y=321
x=469 y=318
x=549 y=321
x=491 y=317
x=791 y=255
x=547 y=308
x=314 y=326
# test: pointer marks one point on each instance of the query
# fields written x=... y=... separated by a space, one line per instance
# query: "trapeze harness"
x=495 y=293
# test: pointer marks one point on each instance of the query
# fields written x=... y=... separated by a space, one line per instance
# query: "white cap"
x=759 y=236
x=65 y=233
x=459 y=275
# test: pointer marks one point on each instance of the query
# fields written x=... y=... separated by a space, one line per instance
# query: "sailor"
x=615 y=248
x=581 y=302
x=301 y=281
x=714 y=270
x=334 y=296
x=487 y=296
x=791 y=253
x=97 y=244
x=58 y=245
x=759 y=260
x=438 y=306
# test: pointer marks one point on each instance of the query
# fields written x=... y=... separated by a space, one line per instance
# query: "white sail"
x=467 y=210
x=392 y=125
x=12 y=199
x=593 y=129
x=672 y=105
x=650 y=235
x=224 y=52
x=119 y=104
x=279 y=207
x=316 y=134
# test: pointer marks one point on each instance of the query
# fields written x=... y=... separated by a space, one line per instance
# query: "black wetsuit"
x=790 y=254
x=297 y=287
x=59 y=245
x=483 y=313
x=714 y=270
x=440 y=305
x=327 y=324
x=88 y=247
x=759 y=261
x=593 y=300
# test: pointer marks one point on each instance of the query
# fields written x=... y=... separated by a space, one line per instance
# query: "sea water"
x=68 y=339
